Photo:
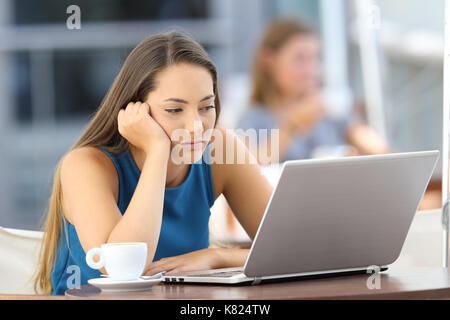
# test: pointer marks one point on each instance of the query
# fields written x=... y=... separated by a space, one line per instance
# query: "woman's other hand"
x=204 y=259
x=305 y=114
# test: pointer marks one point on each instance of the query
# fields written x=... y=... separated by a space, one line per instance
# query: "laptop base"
x=181 y=280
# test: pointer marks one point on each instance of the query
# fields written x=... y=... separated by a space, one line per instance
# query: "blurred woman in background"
x=286 y=94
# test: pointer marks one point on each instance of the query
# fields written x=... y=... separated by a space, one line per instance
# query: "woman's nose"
x=194 y=126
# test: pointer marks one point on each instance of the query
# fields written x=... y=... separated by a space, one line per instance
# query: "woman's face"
x=295 y=67
x=183 y=105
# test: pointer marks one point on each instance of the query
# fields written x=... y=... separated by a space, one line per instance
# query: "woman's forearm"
x=231 y=257
x=366 y=140
x=284 y=142
x=141 y=221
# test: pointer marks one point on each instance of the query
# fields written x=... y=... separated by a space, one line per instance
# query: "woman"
x=120 y=183
x=286 y=95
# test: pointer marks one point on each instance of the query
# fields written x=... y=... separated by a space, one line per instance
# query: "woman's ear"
x=266 y=60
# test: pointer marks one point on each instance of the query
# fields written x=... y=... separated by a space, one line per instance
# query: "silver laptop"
x=331 y=217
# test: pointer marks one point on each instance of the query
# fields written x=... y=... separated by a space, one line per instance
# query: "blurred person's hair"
x=277 y=34
x=134 y=82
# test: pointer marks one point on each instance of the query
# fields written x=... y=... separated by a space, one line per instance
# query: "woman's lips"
x=193 y=145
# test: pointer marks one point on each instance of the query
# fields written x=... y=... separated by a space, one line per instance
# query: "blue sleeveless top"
x=184 y=228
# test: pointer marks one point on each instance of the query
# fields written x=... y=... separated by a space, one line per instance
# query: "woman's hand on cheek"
x=193 y=261
x=136 y=124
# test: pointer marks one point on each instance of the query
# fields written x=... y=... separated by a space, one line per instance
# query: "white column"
x=366 y=12
x=445 y=134
x=334 y=53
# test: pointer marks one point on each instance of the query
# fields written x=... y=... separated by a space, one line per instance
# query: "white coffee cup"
x=122 y=261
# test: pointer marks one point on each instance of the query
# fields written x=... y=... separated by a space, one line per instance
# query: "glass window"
x=54 y=11
x=21 y=86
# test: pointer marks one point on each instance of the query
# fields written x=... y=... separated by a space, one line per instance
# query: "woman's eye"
x=174 y=110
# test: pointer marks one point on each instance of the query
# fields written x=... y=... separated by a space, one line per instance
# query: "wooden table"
x=395 y=283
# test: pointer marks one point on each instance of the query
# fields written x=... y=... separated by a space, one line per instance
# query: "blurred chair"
x=19 y=253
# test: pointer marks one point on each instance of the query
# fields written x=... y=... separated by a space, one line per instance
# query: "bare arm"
x=141 y=221
x=286 y=135
x=91 y=207
x=89 y=183
x=366 y=140
x=297 y=119
x=246 y=188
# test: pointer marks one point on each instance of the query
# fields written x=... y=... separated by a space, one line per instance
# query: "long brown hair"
x=264 y=90
x=133 y=83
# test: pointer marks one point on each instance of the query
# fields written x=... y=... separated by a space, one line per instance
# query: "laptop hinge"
x=256 y=281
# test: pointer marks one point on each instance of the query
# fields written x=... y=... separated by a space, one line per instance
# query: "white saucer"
x=109 y=285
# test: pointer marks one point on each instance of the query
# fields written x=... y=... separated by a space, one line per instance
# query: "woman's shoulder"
x=255 y=116
x=87 y=156
x=88 y=161
x=86 y=168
